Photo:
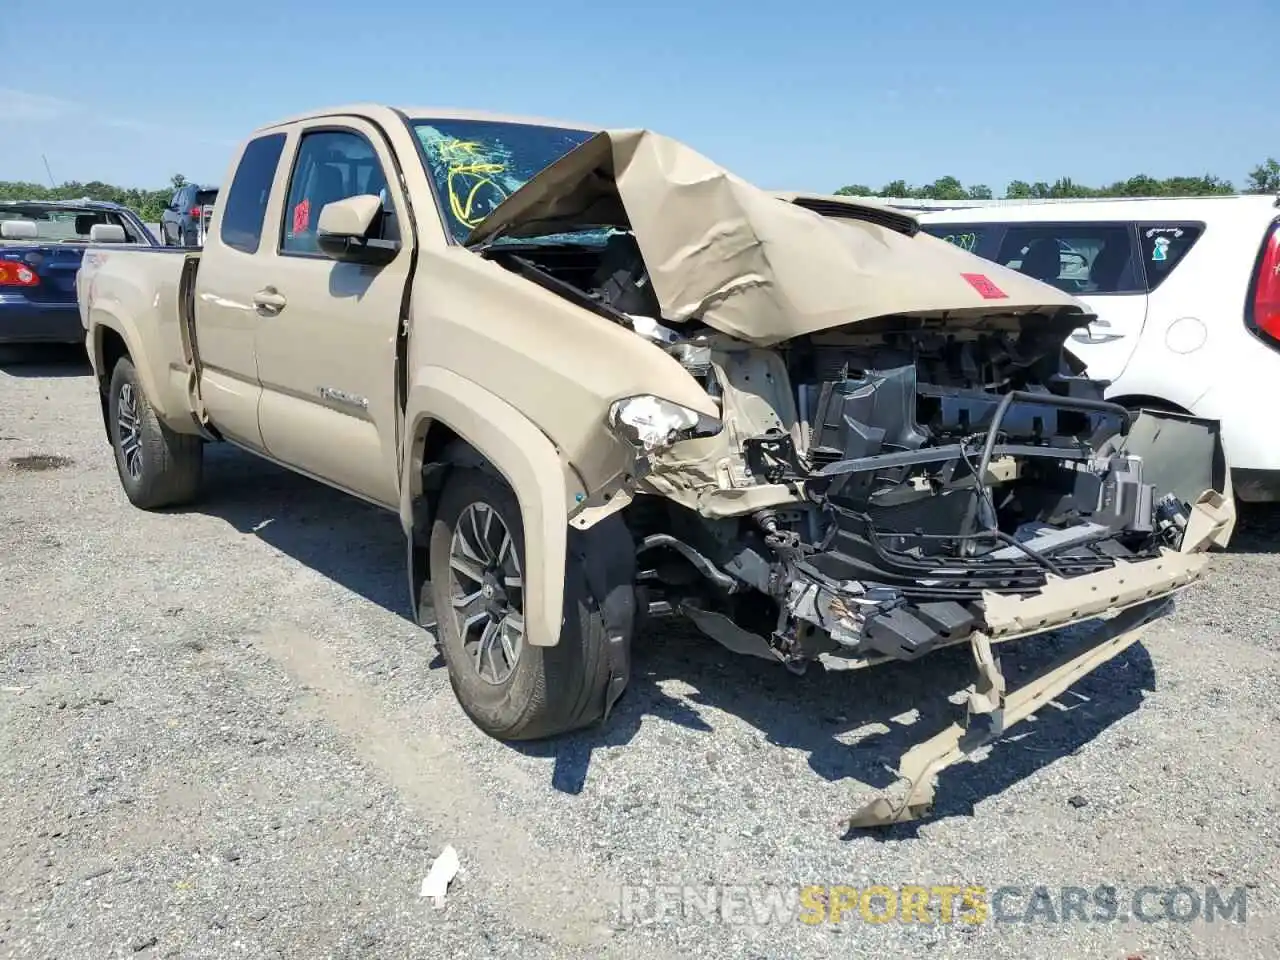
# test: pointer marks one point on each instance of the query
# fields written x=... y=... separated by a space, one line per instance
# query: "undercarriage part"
x=991 y=712
x=1074 y=403
x=1182 y=456
x=700 y=563
x=941 y=454
x=871 y=620
x=1046 y=539
x=906 y=632
x=1213 y=517
x=772 y=456
x=726 y=632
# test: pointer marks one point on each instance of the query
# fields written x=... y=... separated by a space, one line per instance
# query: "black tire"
x=550 y=690
x=157 y=467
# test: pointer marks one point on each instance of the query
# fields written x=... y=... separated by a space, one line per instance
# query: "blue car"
x=41 y=245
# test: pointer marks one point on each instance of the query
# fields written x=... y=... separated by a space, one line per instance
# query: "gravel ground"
x=220 y=736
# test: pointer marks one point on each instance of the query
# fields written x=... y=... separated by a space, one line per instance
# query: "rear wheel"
x=510 y=688
x=157 y=467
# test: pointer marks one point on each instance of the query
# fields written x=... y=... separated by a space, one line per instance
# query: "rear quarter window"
x=246 y=207
x=1164 y=245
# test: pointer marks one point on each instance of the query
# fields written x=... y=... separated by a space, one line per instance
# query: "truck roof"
x=375 y=110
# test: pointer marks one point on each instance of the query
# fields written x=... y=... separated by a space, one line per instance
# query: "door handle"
x=269 y=301
x=1088 y=335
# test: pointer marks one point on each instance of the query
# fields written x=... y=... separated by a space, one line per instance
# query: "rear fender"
x=544 y=485
x=103 y=318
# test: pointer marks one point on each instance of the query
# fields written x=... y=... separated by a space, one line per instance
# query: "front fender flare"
x=526 y=458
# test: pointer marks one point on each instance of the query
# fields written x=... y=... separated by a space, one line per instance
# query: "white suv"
x=1187 y=295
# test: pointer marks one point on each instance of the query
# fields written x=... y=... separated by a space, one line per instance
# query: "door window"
x=250 y=190
x=1077 y=258
x=331 y=165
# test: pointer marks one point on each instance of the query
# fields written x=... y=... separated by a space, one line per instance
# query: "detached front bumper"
x=1127 y=598
x=992 y=711
x=1187 y=453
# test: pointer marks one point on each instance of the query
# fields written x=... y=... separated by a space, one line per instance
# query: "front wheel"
x=157 y=467
x=510 y=688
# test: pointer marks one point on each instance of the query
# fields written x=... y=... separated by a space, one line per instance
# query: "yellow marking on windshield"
x=469 y=172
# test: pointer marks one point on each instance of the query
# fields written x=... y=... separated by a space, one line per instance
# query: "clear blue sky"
x=805 y=96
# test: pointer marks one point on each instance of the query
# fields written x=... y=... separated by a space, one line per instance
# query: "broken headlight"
x=652 y=424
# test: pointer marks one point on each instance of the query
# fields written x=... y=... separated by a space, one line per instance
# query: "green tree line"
x=1264 y=178
x=146 y=203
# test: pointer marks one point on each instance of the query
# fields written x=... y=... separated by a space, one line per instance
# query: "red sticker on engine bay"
x=984 y=286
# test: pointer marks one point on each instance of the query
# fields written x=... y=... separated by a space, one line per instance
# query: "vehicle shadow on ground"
x=361 y=548
x=811 y=713
x=45 y=360
x=352 y=543
x=1257 y=528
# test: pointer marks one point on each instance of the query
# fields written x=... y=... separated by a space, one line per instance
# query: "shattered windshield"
x=476 y=164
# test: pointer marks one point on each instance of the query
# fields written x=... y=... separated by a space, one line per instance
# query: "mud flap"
x=992 y=711
x=607 y=556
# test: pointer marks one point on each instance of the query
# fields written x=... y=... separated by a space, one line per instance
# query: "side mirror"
x=107 y=233
x=343 y=231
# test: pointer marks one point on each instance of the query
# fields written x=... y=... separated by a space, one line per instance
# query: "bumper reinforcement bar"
x=992 y=711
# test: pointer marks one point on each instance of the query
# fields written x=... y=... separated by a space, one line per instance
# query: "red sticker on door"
x=301 y=216
x=984 y=286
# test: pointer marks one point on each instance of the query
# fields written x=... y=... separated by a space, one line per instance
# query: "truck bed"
x=140 y=298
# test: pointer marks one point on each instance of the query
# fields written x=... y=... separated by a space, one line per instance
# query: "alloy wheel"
x=129 y=427
x=486 y=590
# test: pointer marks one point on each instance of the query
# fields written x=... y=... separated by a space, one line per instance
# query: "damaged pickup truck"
x=601 y=380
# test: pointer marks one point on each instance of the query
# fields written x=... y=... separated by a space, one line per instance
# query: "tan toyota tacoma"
x=601 y=379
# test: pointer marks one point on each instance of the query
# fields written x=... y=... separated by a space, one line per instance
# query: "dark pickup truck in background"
x=184 y=221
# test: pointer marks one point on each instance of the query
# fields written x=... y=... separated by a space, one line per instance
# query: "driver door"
x=327 y=330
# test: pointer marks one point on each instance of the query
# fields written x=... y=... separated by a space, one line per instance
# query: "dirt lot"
x=220 y=736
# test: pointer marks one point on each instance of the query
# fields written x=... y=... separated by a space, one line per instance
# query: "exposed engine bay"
x=869 y=488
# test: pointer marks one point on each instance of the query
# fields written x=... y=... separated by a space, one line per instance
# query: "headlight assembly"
x=652 y=424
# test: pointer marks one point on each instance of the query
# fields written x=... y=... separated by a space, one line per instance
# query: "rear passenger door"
x=1097 y=262
x=326 y=356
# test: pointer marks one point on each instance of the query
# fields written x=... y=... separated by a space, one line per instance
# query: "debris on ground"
x=443 y=869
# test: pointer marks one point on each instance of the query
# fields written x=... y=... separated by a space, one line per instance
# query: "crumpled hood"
x=747 y=262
